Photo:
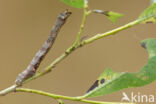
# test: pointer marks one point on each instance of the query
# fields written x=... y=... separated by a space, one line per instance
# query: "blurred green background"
x=25 y=25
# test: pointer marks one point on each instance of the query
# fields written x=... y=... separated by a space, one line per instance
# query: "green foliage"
x=117 y=81
x=150 y=11
x=75 y=3
x=113 y=16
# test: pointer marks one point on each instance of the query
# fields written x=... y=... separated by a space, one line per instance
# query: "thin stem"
x=112 y=32
x=64 y=97
x=85 y=14
x=81 y=27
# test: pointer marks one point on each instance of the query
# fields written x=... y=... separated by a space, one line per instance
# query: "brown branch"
x=34 y=64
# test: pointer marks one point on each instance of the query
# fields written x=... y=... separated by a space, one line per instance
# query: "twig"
x=78 y=38
x=32 y=67
x=64 y=97
x=112 y=32
x=34 y=64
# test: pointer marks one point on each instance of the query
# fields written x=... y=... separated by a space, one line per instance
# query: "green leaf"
x=118 y=81
x=113 y=16
x=75 y=3
x=149 y=12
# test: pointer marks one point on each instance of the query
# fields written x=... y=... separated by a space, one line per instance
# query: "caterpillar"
x=34 y=64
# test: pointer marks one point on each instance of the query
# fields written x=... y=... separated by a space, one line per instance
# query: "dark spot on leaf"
x=143 y=45
x=102 y=81
x=93 y=86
